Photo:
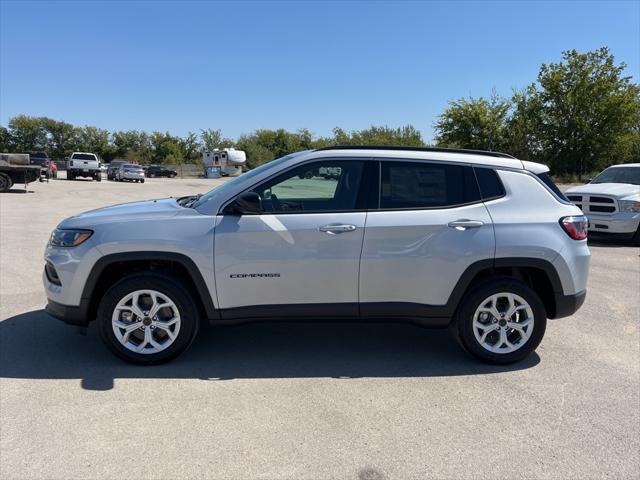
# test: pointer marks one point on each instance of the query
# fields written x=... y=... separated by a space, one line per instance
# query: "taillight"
x=575 y=226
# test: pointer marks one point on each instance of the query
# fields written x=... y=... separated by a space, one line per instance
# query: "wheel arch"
x=111 y=268
x=539 y=274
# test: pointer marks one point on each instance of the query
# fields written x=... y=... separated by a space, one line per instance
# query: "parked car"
x=160 y=171
x=113 y=168
x=83 y=164
x=130 y=172
x=48 y=167
x=478 y=241
x=611 y=202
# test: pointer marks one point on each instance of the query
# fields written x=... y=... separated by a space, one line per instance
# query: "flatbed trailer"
x=15 y=169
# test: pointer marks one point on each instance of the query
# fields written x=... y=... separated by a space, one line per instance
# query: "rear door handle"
x=464 y=224
x=334 y=228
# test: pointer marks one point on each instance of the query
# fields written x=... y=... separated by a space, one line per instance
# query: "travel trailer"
x=228 y=161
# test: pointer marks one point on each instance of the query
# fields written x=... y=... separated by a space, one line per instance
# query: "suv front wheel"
x=148 y=319
x=501 y=321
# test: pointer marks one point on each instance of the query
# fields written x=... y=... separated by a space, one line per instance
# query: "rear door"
x=430 y=226
x=301 y=256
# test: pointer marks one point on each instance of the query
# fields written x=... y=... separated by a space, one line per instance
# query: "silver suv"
x=478 y=241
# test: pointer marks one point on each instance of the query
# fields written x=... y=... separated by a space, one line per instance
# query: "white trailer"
x=229 y=160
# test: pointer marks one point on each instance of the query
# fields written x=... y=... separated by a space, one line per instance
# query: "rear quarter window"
x=546 y=179
x=489 y=182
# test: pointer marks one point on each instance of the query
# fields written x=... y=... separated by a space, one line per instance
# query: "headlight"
x=68 y=238
x=629 y=206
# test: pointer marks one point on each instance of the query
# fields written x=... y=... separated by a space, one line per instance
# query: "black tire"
x=166 y=285
x=70 y=176
x=98 y=178
x=635 y=241
x=5 y=183
x=464 y=330
x=142 y=181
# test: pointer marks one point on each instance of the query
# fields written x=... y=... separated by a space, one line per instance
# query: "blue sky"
x=182 y=66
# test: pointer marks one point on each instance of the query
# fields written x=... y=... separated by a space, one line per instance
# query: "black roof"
x=417 y=149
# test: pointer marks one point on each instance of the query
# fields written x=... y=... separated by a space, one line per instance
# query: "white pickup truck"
x=82 y=164
x=611 y=202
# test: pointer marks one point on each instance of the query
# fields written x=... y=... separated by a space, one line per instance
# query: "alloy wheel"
x=146 y=321
x=503 y=322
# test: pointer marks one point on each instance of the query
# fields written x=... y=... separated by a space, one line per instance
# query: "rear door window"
x=421 y=185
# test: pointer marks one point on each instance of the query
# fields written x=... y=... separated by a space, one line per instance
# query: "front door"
x=300 y=257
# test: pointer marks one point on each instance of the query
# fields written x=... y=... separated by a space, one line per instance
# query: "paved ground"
x=314 y=401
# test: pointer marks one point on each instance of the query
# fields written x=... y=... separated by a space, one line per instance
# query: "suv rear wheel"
x=501 y=321
x=148 y=319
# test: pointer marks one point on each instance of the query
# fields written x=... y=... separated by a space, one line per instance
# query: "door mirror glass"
x=248 y=203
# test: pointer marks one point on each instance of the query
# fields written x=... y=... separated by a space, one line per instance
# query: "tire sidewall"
x=464 y=320
x=167 y=285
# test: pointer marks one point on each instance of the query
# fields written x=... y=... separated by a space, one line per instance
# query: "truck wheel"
x=70 y=176
x=148 y=318
x=98 y=178
x=5 y=183
x=142 y=181
x=501 y=321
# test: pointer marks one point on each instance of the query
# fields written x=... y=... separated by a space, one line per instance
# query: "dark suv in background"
x=160 y=171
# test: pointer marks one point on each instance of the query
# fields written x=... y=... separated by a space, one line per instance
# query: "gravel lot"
x=367 y=402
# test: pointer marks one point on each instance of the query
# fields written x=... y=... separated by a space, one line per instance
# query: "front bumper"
x=70 y=315
x=567 y=305
x=617 y=223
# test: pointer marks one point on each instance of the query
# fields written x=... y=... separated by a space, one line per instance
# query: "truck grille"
x=594 y=204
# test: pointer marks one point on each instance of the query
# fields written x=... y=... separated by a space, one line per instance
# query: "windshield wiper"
x=189 y=201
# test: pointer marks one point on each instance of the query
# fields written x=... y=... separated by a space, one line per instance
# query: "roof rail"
x=417 y=149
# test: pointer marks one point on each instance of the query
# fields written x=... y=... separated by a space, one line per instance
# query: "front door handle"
x=464 y=224
x=334 y=228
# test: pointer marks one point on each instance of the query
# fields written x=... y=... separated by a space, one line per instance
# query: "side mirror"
x=588 y=180
x=248 y=203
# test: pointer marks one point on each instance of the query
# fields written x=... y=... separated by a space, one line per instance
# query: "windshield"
x=225 y=187
x=131 y=166
x=83 y=156
x=619 y=175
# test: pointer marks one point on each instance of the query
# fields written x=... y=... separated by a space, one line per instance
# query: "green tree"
x=475 y=123
x=588 y=111
x=62 y=138
x=6 y=144
x=407 y=136
x=96 y=140
x=27 y=133
x=190 y=148
x=213 y=140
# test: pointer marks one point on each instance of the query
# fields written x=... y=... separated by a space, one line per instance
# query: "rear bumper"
x=567 y=305
x=80 y=172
